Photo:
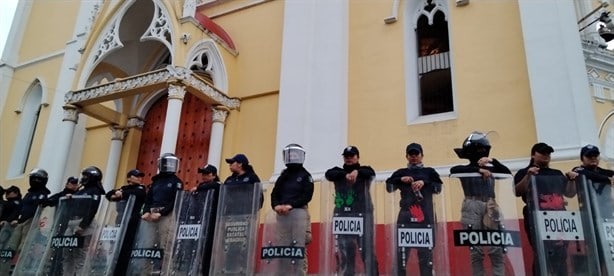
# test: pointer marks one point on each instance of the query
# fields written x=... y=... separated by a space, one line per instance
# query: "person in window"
x=417 y=185
x=352 y=198
x=134 y=187
x=479 y=199
x=551 y=190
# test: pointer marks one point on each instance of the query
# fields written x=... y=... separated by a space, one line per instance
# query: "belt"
x=480 y=198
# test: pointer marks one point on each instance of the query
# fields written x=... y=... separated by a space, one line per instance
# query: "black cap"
x=350 y=151
x=239 y=158
x=207 y=169
x=72 y=180
x=542 y=148
x=589 y=150
x=414 y=147
x=12 y=189
x=135 y=172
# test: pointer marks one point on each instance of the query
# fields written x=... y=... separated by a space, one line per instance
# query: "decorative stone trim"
x=135 y=122
x=118 y=133
x=176 y=92
x=71 y=113
x=171 y=74
x=159 y=28
x=220 y=114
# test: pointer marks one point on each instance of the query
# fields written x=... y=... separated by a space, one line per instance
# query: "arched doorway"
x=192 y=141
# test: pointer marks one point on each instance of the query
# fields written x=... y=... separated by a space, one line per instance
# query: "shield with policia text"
x=192 y=233
x=153 y=241
x=415 y=228
x=283 y=243
x=485 y=226
x=563 y=238
x=106 y=243
x=35 y=242
x=601 y=198
x=8 y=251
x=74 y=225
x=347 y=231
x=236 y=230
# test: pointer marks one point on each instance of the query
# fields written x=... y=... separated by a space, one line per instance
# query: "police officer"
x=417 y=184
x=134 y=188
x=242 y=173
x=209 y=182
x=589 y=156
x=91 y=186
x=292 y=192
x=36 y=195
x=12 y=205
x=352 y=197
x=71 y=186
x=480 y=197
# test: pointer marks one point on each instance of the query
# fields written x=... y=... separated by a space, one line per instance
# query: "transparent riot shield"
x=563 y=237
x=34 y=237
x=347 y=229
x=236 y=230
x=486 y=232
x=283 y=243
x=71 y=235
x=8 y=251
x=601 y=198
x=193 y=231
x=415 y=229
x=152 y=243
x=107 y=242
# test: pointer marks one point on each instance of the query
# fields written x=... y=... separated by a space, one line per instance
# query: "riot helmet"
x=475 y=146
x=293 y=154
x=91 y=176
x=168 y=163
x=38 y=177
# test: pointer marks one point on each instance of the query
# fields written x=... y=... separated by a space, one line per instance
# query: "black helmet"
x=168 y=163
x=475 y=146
x=38 y=177
x=91 y=176
x=293 y=154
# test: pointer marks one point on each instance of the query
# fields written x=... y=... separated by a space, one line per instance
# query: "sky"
x=7 y=10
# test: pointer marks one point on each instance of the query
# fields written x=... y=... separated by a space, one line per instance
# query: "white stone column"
x=217 y=136
x=314 y=67
x=115 y=150
x=62 y=142
x=557 y=76
x=176 y=93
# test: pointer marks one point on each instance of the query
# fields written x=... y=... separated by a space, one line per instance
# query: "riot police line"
x=568 y=221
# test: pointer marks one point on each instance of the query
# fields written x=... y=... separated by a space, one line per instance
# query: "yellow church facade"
x=115 y=84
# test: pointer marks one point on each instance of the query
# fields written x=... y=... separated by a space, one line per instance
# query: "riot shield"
x=487 y=232
x=70 y=239
x=152 y=241
x=35 y=241
x=283 y=243
x=193 y=231
x=347 y=230
x=8 y=251
x=106 y=243
x=415 y=230
x=236 y=230
x=563 y=239
x=601 y=197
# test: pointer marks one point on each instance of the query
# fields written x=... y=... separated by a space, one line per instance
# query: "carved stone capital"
x=135 y=122
x=71 y=113
x=176 y=91
x=220 y=113
x=118 y=133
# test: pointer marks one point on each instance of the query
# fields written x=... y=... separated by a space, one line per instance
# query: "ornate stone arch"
x=207 y=50
x=36 y=82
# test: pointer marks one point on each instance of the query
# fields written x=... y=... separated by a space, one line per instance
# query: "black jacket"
x=139 y=193
x=95 y=192
x=30 y=202
x=294 y=187
x=162 y=193
x=478 y=186
x=432 y=185
x=11 y=209
x=352 y=198
x=248 y=177
x=55 y=198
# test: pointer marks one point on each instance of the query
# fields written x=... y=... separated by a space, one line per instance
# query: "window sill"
x=433 y=118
